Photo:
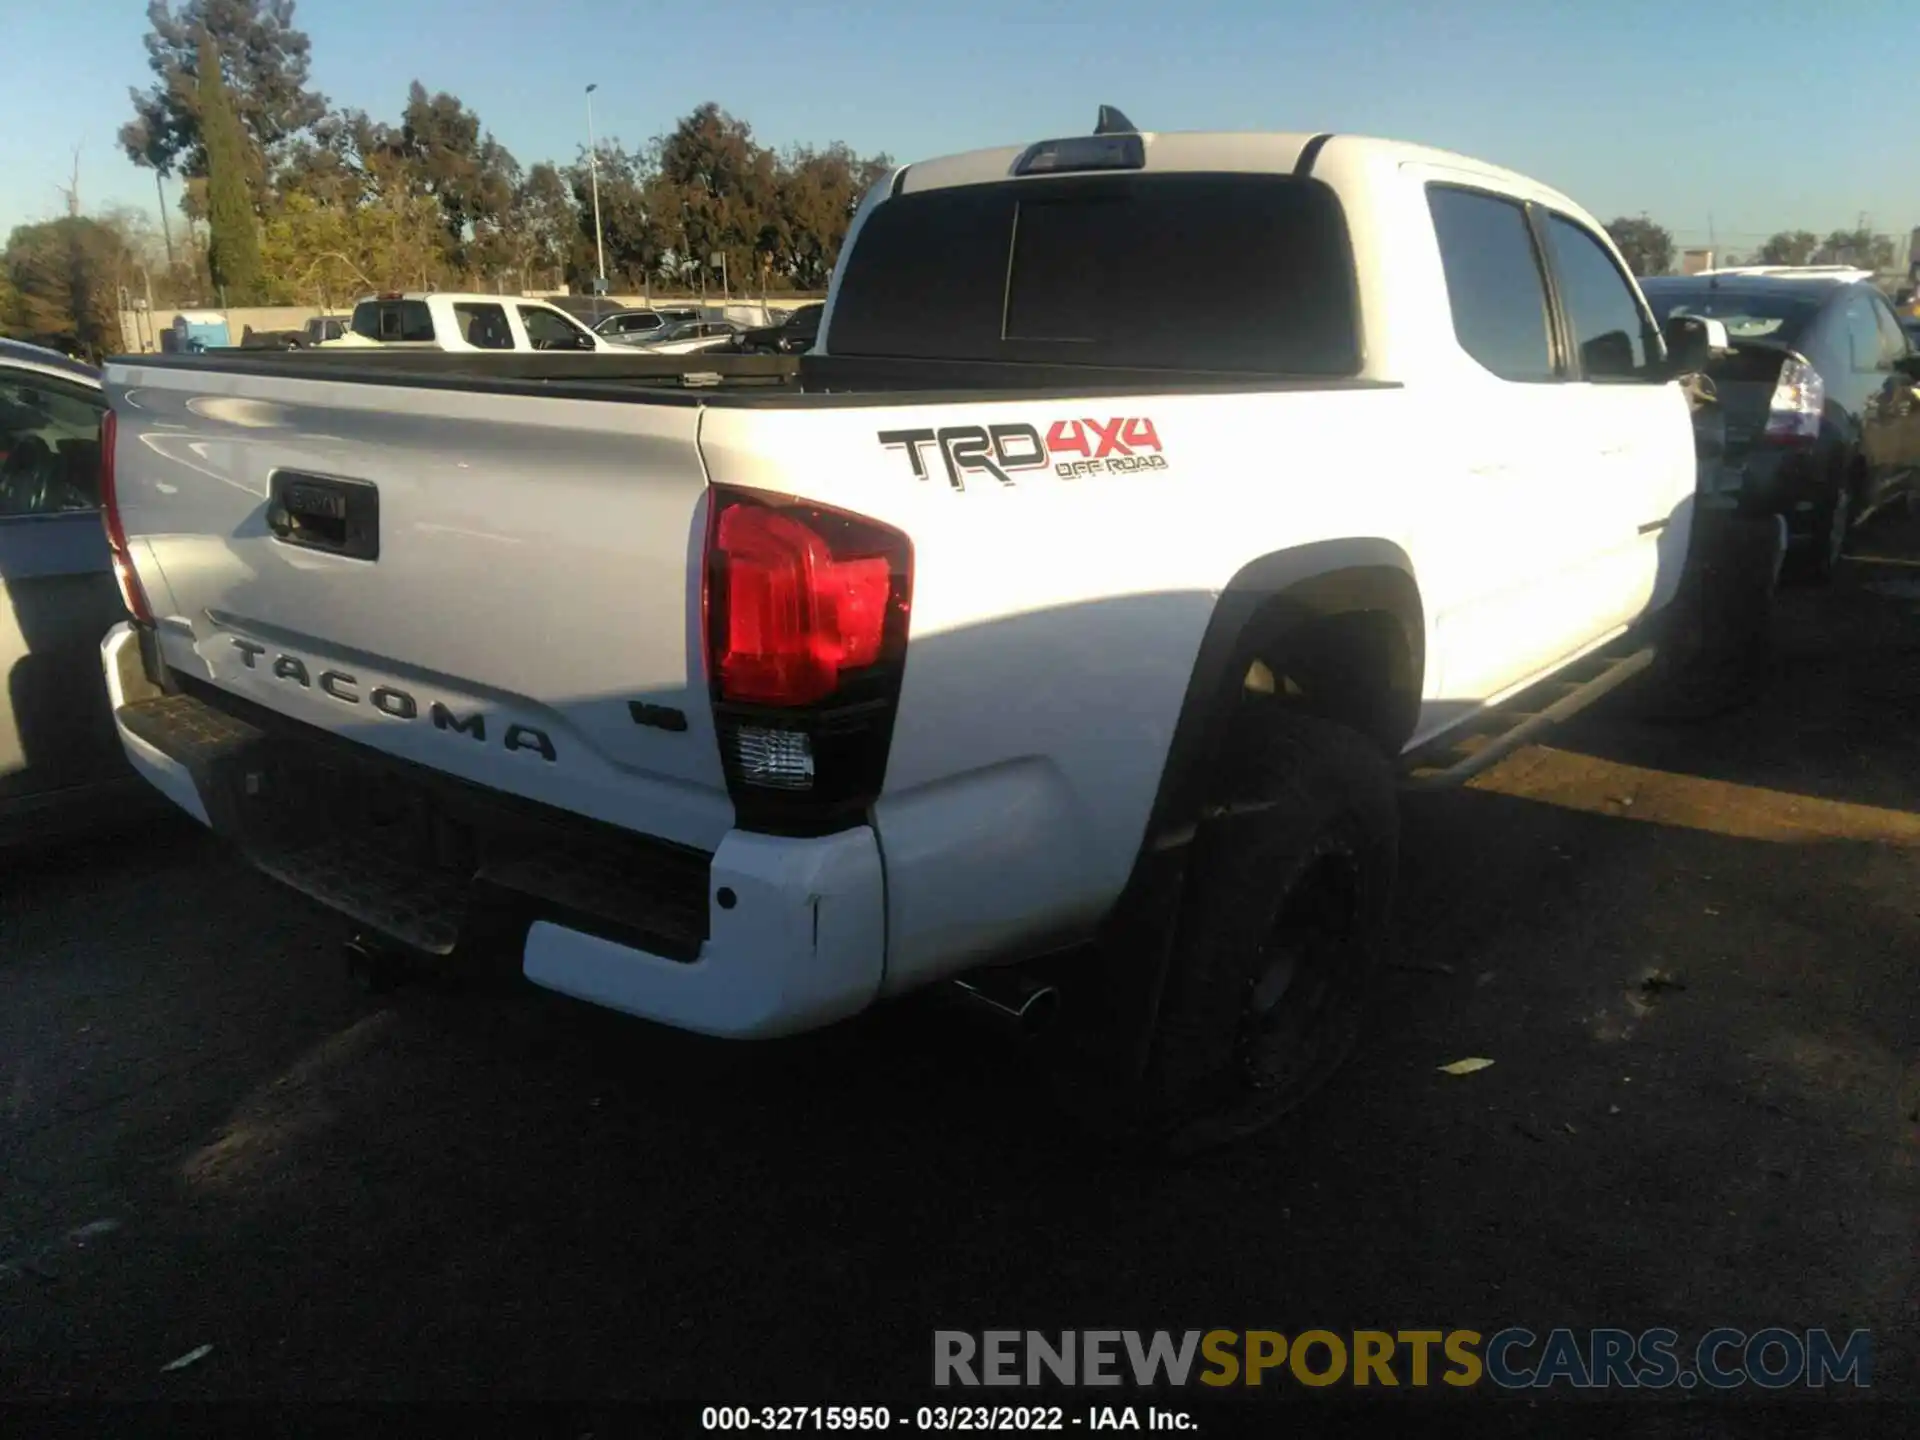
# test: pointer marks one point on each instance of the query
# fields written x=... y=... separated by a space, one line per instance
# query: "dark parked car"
x=61 y=764
x=631 y=325
x=794 y=334
x=1819 y=392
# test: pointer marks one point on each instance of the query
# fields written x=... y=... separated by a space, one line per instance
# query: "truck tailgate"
x=502 y=588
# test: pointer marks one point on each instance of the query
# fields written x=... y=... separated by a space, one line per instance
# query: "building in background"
x=1696 y=259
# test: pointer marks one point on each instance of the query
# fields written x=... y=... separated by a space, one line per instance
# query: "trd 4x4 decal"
x=1072 y=448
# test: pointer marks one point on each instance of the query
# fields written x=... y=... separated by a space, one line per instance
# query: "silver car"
x=61 y=765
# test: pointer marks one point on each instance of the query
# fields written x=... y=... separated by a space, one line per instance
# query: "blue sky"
x=1777 y=114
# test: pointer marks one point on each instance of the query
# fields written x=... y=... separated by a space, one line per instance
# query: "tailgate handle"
x=320 y=512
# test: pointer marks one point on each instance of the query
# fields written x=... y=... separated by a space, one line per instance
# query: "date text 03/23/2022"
x=941 y=1418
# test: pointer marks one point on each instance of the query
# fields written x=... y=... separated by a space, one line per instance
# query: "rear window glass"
x=1749 y=313
x=393 y=320
x=1108 y=271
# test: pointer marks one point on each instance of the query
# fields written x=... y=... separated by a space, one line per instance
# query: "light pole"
x=593 y=171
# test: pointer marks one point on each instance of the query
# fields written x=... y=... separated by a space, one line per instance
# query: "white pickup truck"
x=436 y=320
x=1045 y=610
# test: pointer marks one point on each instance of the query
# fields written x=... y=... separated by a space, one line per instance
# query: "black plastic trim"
x=325 y=513
x=824 y=382
x=679 y=871
x=1543 y=261
x=1310 y=154
x=1129 y=147
x=1140 y=931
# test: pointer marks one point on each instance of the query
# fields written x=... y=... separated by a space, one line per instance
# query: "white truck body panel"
x=542 y=561
x=542 y=528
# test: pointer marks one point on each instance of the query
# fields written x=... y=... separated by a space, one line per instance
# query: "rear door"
x=1507 y=543
x=57 y=592
x=1636 y=429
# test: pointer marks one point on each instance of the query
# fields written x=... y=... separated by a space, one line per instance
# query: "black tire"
x=1832 y=527
x=1292 y=888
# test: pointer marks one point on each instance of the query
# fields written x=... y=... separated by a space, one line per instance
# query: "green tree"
x=267 y=70
x=329 y=162
x=1646 y=247
x=63 y=277
x=633 y=202
x=233 y=250
x=547 y=226
x=718 y=194
x=818 y=193
x=442 y=151
x=315 y=253
x=1789 y=247
x=1859 y=247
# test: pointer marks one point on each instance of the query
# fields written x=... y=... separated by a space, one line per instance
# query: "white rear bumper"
x=796 y=939
x=126 y=681
x=796 y=934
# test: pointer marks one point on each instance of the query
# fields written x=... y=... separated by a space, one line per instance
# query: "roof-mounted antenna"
x=1112 y=122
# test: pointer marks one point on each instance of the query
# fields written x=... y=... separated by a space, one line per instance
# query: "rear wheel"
x=1833 y=526
x=1282 y=935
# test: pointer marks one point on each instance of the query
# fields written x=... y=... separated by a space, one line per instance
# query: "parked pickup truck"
x=431 y=320
x=317 y=331
x=1043 y=620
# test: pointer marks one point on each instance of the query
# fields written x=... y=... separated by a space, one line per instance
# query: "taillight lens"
x=1793 y=417
x=793 y=615
x=131 y=594
x=806 y=616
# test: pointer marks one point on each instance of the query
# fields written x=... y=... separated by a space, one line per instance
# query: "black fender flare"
x=1278 y=592
x=1267 y=598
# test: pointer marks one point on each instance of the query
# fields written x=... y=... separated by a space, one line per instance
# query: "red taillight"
x=798 y=596
x=806 y=625
x=131 y=594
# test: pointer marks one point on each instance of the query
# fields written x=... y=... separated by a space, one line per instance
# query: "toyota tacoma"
x=1043 y=610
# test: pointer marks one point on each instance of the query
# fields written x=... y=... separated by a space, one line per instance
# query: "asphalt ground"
x=1687 y=949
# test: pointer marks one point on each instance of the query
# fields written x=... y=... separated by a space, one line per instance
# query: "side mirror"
x=1909 y=366
x=1693 y=340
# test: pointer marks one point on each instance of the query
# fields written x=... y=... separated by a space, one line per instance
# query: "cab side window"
x=1495 y=285
x=1611 y=332
x=484 y=326
x=550 y=330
